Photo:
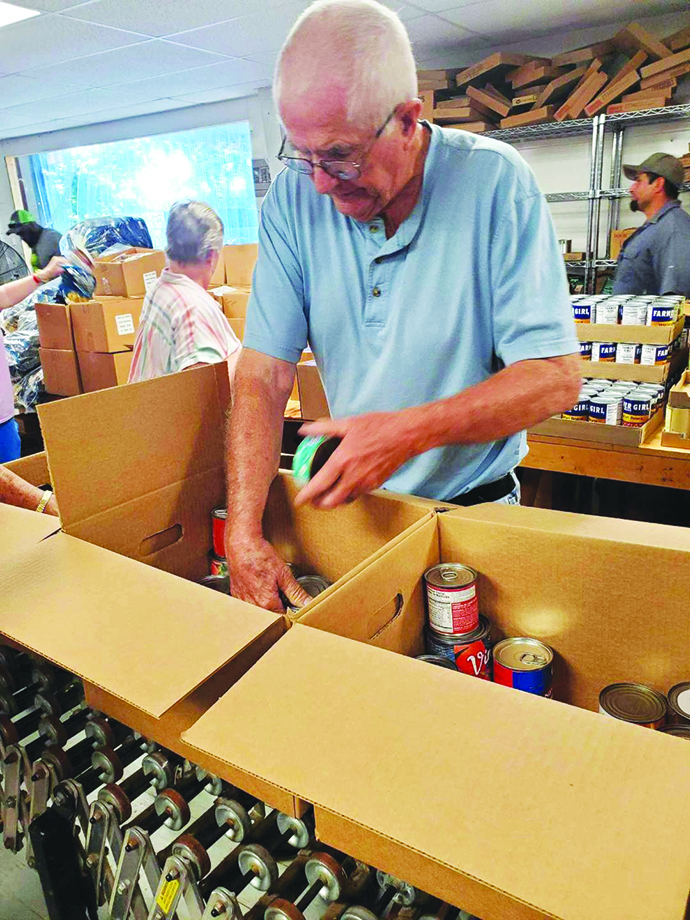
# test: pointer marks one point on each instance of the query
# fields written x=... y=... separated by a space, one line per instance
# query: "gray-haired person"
x=181 y=324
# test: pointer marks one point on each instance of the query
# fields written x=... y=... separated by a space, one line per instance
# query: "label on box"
x=150 y=279
x=125 y=324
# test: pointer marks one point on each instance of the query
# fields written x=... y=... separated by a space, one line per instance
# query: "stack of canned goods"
x=627 y=309
x=642 y=705
x=617 y=402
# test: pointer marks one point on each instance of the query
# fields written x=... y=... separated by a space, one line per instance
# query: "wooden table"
x=650 y=464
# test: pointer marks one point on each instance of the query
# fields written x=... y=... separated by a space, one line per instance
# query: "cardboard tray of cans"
x=676 y=432
x=659 y=373
x=644 y=335
x=601 y=434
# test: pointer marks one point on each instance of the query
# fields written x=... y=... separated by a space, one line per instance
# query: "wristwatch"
x=45 y=498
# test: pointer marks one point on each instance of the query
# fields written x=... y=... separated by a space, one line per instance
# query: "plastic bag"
x=29 y=391
x=100 y=233
x=22 y=353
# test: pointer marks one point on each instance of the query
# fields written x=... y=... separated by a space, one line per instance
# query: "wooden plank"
x=528 y=118
x=494 y=61
x=453 y=116
x=666 y=64
x=635 y=62
x=582 y=55
x=635 y=38
x=613 y=91
x=427 y=100
x=476 y=127
x=528 y=97
x=559 y=86
x=499 y=106
x=575 y=103
x=670 y=83
x=534 y=72
x=671 y=74
x=679 y=40
x=652 y=102
x=461 y=102
x=648 y=95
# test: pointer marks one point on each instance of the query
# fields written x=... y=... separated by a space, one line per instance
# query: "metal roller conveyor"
x=326 y=878
x=111 y=763
x=106 y=732
x=288 y=886
x=248 y=864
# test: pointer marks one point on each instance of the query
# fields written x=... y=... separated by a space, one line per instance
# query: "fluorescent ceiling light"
x=10 y=13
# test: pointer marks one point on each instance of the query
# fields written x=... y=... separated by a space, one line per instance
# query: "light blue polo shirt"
x=472 y=281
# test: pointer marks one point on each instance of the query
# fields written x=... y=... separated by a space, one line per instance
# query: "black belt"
x=489 y=492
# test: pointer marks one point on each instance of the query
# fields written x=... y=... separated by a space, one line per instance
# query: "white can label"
x=626 y=353
x=614 y=412
x=125 y=324
x=150 y=279
x=453 y=610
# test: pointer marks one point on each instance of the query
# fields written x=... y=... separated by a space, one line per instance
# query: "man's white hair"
x=359 y=45
x=194 y=229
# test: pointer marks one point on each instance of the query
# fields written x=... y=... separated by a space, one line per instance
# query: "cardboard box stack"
x=129 y=273
x=233 y=294
x=104 y=333
x=631 y=71
x=57 y=350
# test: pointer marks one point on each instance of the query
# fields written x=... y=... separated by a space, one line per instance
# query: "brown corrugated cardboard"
x=100 y=371
x=232 y=300
x=237 y=326
x=679 y=395
x=218 y=276
x=106 y=325
x=611 y=370
x=60 y=371
x=312 y=395
x=601 y=434
x=128 y=274
x=645 y=335
x=595 y=849
x=618 y=237
x=21 y=529
x=32 y=469
x=54 y=326
x=239 y=263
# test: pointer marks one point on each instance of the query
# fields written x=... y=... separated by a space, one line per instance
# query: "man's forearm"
x=15 y=491
x=512 y=400
x=260 y=390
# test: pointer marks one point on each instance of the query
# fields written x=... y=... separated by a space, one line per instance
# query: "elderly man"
x=421 y=266
x=181 y=324
x=656 y=258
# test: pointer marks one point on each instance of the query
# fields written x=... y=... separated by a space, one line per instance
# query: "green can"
x=311 y=455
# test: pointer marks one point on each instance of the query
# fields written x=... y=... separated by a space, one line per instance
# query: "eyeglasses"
x=344 y=170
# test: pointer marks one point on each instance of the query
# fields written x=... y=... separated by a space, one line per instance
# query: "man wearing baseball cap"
x=43 y=242
x=656 y=258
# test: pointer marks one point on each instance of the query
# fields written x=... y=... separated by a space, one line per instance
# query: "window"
x=144 y=176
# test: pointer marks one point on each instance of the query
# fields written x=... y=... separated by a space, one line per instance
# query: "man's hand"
x=257 y=574
x=52 y=269
x=373 y=447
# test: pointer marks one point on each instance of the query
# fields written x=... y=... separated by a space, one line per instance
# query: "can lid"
x=220 y=513
x=523 y=654
x=633 y=703
x=438 y=660
x=680 y=731
x=313 y=584
x=450 y=575
x=679 y=699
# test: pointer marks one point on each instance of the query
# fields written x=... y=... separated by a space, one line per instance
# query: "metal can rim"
x=657 y=707
x=457 y=568
x=501 y=648
x=481 y=631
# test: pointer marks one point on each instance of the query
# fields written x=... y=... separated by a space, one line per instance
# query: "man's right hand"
x=258 y=574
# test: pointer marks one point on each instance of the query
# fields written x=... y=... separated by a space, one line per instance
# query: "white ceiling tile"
x=166 y=17
x=200 y=79
x=264 y=57
x=46 y=6
x=246 y=35
x=221 y=94
x=73 y=105
x=405 y=11
x=429 y=30
x=18 y=89
x=147 y=59
x=435 y=6
x=51 y=39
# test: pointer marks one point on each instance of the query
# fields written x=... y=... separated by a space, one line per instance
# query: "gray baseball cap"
x=661 y=164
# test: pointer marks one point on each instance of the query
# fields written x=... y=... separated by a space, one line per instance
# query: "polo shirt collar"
x=666 y=208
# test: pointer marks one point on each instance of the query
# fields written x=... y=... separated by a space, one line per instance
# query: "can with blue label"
x=583 y=312
x=661 y=314
x=654 y=354
x=526 y=664
x=586 y=351
x=637 y=409
x=604 y=351
x=580 y=411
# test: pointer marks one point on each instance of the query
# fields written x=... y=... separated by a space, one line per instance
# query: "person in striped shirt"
x=181 y=325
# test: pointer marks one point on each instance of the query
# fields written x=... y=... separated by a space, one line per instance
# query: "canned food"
x=680 y=731
x=586 y=351
x=580 y=411
x=661 y=314
x=218 y=519
x=628 y=353
x=438 y=660
x=654 y=354
x=633 y=703
x=470 y=654
x=679 y=702
x=607 y=410
x=451 y=592
x=217 y=565
x=311 y=455
x=583 y=311
x=607 y=312
x=603 y=351
x=637 y=410
x=313 y=585
x=219 y=583
x=634 y=313
x=525 y=664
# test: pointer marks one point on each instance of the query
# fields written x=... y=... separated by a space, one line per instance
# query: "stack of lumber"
x=632 y=71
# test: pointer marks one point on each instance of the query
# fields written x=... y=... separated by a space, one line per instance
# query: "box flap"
x=21 y=529
x=145 y=636
x=33 y=468
x=565 y=810
x=157 y=435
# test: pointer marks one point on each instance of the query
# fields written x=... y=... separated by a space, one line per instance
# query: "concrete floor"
x=21 y=897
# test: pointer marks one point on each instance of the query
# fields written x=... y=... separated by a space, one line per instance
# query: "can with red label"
x=471 y=653
x=218 y=518
x=525 y=664
x=451 y=592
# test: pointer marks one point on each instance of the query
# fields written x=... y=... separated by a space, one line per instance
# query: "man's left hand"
x=373 y=447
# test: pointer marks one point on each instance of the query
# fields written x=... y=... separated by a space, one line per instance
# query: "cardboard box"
x=239 y=264
x=60 y=371
x=679 y=395
x=54 y=326
x=590 y=779
x=602 y=434
x=645 y=335
x=641 y=372
x=100 y=371
x=676 y=432
x=233 y=301
x=106 y=325
x=218 y=276
x=312 y=395
x=129 y=273
x=618 y=237
x=237 y=326
x=32 y=469
x=21 y=529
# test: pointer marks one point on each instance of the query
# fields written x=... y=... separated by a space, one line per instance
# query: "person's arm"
x=15 y=291
x=376 y=445
x=260 y=390
x=16 y=491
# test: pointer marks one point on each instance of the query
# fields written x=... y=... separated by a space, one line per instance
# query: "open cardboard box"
x=32 y=468
x=106 y=325
x=312 y=395
x=128 y=273
x=644 y=335
x=503 y=803
x=659 y=373
x=596 y=432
